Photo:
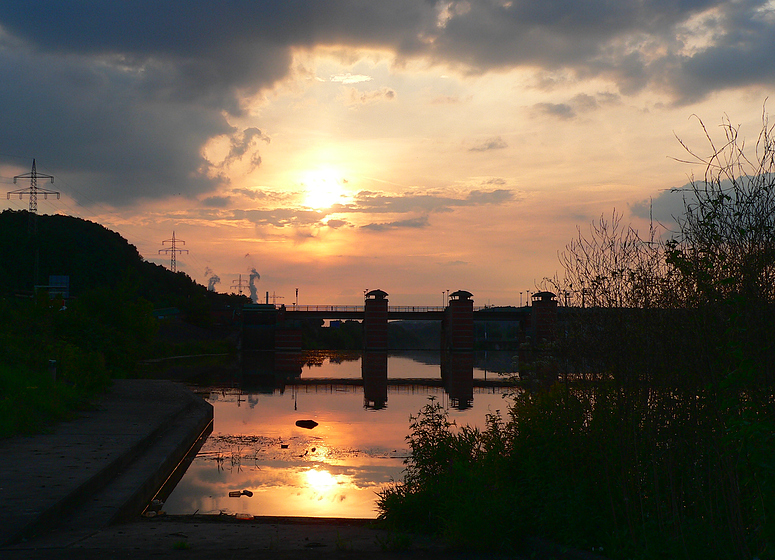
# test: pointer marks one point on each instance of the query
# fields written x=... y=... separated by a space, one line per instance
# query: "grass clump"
x=31 y=401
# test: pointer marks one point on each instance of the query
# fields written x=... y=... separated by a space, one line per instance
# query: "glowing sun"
x=320 y=481
x=323 y=189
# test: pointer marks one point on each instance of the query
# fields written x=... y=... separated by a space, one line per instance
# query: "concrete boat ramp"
x=101 y=468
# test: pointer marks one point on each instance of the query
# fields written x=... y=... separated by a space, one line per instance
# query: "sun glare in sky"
x=323 y=188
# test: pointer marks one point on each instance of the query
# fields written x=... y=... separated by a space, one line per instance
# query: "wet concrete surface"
x=102 y=467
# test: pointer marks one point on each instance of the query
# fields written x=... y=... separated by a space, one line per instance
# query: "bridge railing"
x=414 y=308
x=360 y=308
x=326 y=308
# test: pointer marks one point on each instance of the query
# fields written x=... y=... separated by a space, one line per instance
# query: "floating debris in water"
x=308 y=424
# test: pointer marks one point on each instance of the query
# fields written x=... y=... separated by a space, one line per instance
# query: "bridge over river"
x=268 y=327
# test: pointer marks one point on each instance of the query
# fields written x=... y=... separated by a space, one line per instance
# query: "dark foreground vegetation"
x=99 y=336
x=648 y=430
x=101 y=331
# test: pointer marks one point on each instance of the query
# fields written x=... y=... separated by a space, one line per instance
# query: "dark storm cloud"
x=742 y=56
x=122 y=96
x=89 y=124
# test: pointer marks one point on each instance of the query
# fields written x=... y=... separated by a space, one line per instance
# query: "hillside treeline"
x=94 y=257
x=100 y=332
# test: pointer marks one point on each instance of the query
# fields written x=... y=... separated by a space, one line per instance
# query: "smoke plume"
x=254 y=277
x=212 y=279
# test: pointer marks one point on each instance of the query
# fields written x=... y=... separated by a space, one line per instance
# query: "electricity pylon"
x=32 y=191
x=172 y=250
x=239 y=285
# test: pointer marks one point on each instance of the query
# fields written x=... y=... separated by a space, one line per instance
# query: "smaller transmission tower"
x=239 y=284
x=172 y=250
x=33 y=192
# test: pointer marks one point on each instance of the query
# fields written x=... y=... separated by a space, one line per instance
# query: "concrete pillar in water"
x=457 y=329
x=374 y=370
x=375 y=321
x=457 y=372
x=544 y=316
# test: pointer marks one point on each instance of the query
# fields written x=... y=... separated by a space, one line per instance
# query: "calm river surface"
x=336 y=468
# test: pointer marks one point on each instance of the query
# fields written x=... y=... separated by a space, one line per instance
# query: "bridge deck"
x=501 y=382
x=415 y=313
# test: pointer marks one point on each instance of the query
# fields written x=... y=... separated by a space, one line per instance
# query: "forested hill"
x=92 y=256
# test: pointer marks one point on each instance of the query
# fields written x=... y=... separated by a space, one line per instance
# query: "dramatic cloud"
x=122 y=97
x=245 y=143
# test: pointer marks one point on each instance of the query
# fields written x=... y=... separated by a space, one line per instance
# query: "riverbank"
x=77 y=492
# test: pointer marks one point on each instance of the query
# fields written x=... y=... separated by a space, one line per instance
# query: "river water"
x=357 y=448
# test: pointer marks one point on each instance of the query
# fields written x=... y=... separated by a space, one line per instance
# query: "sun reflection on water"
x=320 y=480
x=336 y=469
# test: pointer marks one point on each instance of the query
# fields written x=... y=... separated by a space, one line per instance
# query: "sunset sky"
x=412 y=146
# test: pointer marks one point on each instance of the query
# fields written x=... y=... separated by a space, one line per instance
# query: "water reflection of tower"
x=374 y=370
x=457 y=372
